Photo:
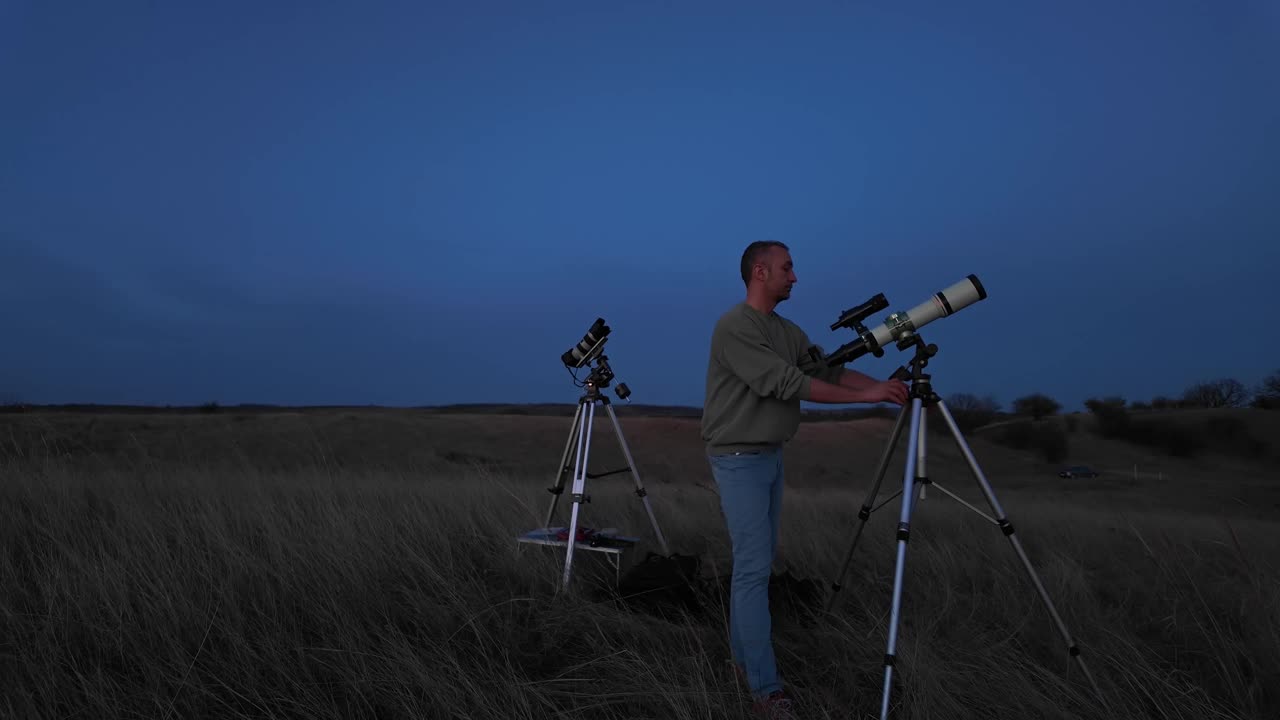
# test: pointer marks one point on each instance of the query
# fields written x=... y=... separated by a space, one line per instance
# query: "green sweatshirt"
x=759 y=370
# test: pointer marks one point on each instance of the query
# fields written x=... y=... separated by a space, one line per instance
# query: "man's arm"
x=890 y=391
x=745 y=351
x=811 y=364
x=854 y=379
x=840 y=385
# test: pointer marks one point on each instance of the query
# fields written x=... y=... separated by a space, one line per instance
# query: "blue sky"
x=420 y=203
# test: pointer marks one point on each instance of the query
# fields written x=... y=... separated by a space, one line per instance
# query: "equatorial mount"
x=599 y=378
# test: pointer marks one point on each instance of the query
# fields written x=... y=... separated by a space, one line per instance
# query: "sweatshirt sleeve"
x=745 y=351
x=816 y=367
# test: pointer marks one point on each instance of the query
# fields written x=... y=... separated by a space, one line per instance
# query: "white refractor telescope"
x=900 y=327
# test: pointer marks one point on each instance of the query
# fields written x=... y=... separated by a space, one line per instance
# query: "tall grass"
x=185 y=592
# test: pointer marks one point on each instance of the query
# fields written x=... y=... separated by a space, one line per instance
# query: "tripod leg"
x=922 y=473
x=865 y=511
x=635 y=474
x=558 y=488
x=904 y=532
x=579 y=483
x=1007 y=528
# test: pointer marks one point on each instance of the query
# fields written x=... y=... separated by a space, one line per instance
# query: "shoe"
x=777 y=705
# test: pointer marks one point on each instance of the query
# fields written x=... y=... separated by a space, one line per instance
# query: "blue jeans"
x=750 y=486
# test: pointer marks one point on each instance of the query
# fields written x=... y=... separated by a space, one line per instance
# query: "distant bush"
x=1037 y=405
x=1049 y=440
x=971 y=412
x=1230 y=434
x=1179 y=437
x=1112 y=416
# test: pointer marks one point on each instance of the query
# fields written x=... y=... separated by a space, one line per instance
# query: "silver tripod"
x=922 y=396
x=580 y=438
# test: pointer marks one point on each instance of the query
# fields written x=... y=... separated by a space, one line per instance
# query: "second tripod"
x=922 y=396
x=580 y=438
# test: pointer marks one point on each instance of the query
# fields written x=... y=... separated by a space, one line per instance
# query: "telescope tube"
x=948 y=301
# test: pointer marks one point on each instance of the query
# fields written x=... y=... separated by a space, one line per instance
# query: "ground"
x=362 y=563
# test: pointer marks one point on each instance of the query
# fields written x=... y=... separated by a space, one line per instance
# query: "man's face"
x=779 y=274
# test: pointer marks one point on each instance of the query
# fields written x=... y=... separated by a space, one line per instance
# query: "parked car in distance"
x=1078 y=471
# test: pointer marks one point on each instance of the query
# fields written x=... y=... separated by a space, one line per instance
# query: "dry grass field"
x=362 y=564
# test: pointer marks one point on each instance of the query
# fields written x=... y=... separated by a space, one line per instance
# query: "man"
x=760 y=368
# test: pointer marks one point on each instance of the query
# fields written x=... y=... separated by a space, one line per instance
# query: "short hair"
x=752 y=255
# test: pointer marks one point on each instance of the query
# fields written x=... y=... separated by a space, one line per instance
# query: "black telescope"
x=900 y=327
x=588 y=347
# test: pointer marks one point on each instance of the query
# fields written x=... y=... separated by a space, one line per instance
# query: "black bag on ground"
x=661 y=581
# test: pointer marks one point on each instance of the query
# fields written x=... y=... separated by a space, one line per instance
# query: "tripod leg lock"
x=890 y=660
x=641 y=492
x=1074 y=650
x=864 y=513
x=904 y=532
x=581 y=498
x=1006 y=527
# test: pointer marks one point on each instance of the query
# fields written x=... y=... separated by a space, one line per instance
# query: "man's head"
x=767 y=271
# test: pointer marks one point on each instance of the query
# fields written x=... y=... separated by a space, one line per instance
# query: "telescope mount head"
x=599 y=378
x=913 y=372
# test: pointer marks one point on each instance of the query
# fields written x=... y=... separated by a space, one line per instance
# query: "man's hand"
x=890 y=391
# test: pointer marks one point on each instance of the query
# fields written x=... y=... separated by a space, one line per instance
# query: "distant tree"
x=1037 y=405
x=1163 y=403
x=1099 y=406
x=1267 y=394
x=1270 y=385
x=1111 y=413
x=971 y=412
x=1227 y=392
x=1141 y=406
